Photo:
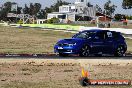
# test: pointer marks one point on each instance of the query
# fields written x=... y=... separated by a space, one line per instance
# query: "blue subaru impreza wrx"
x=92 y=42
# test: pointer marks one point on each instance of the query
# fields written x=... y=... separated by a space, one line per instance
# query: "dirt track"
x=50 y=73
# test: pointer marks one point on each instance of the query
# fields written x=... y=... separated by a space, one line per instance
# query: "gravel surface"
x=60 y=73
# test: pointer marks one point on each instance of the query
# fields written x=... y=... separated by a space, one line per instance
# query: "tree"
x=55 y=7
x=5 y=10
x=26 y=9
x=37 y=7
x=109 y=8
x=98 y=8
x=42 y=14
x=127 y=4
x=9 y=7
x=33 y=9
x=48 y=10
x=129 y=17
x=119 y=17
x=19 y=9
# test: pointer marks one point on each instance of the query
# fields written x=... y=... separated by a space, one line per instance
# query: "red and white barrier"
x=25 y=55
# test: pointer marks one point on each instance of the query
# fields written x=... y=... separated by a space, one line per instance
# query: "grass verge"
x=33 y=40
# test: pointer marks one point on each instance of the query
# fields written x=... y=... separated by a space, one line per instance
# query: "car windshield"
x=85 y=35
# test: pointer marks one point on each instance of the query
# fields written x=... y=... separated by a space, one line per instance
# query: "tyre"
x=120 y=51
x=85 y=51
x=63 y=55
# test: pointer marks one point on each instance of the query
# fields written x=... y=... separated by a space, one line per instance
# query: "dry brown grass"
x=32 y=40
x=29 y=40
x=129 y=45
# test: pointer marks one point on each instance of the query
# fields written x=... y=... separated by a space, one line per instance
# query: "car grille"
x=63 y=50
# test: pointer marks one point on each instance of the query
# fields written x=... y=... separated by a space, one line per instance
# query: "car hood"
x=72 y=40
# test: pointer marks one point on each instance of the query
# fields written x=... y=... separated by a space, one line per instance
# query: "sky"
x=47 y=3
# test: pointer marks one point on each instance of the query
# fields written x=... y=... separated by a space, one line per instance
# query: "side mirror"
x=74 y=35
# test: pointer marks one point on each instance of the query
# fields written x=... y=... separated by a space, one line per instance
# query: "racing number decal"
x=109 y=34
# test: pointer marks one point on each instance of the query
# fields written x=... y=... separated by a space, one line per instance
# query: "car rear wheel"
x=85 y=51
x=63 y=55
x=120 y=51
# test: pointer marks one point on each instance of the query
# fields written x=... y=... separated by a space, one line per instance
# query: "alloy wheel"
x=85 y=51
x=120 y=51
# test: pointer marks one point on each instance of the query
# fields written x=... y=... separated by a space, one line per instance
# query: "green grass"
x=113 y=25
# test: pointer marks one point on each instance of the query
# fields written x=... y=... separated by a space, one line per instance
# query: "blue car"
x=92 y=42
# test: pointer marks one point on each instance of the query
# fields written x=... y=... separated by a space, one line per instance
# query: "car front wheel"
x=120 y=51
x=85 y=51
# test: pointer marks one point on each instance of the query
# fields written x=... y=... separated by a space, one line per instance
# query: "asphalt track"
x=54 y=56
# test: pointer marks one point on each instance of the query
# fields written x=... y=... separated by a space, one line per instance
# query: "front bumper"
x=66 y=50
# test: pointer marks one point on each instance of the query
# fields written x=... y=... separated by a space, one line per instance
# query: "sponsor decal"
x=86 y=81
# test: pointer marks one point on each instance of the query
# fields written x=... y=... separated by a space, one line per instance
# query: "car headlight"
x=73 y=44
x=57 y=43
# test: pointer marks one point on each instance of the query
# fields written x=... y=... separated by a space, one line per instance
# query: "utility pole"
x=16 y=12
x=105 y=16
x=14 y=8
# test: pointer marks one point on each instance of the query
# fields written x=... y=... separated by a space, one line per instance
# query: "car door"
x=108 y=42
x=98 y=43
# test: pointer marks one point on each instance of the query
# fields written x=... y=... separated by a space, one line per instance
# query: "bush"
x=46 y=21
x=129 y=17
x=53 y=20
x=119 y=17
x=20 y=22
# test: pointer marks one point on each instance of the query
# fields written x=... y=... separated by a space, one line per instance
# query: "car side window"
x=85 y=35
x=100 y=35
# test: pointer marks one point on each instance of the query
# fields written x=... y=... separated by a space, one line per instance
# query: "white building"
x=41 y=21
x=74 y=12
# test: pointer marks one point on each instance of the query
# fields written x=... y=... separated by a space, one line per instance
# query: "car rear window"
x=116 y=35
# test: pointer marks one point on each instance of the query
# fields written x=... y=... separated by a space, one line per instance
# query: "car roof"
x=92 y=30
x=97 y=30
